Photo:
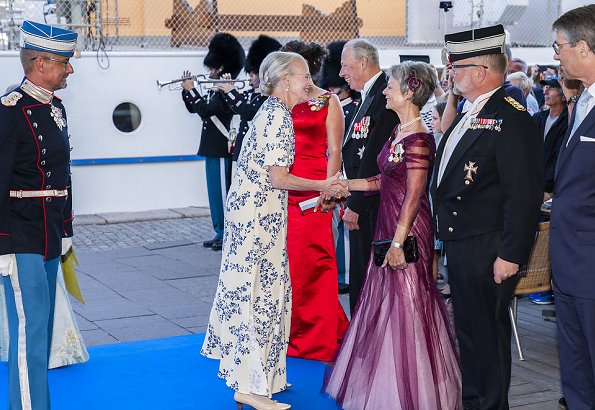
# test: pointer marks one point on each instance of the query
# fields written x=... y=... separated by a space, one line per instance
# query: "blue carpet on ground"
x=164 y=374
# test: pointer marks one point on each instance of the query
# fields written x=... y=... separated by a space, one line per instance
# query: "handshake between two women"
x=335 y=187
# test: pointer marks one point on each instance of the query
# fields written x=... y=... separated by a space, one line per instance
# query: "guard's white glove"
x=7 y=264
x=66 y=245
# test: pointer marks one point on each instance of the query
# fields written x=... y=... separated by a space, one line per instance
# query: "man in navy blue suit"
x=572 y=237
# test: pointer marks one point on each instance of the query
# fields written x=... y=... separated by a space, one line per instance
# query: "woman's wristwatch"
x=573 y=98
x=397 y=245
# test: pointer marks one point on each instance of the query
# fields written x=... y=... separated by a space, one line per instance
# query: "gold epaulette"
x=11 y=99
x=514 y=103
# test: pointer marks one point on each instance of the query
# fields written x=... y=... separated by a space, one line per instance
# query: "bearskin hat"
x=329 y=75
x=225 y=51
x=259 y=49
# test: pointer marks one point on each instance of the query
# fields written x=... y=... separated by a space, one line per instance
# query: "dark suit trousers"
x=482 y=321
x=576 y=340
x=360 y=243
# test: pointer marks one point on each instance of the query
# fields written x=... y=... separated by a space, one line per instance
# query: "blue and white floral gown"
x=249 y=324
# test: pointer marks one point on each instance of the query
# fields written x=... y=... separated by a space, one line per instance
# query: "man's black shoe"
x=217 y=245
x=343 y=288
x=209 y=243
x=562 y=404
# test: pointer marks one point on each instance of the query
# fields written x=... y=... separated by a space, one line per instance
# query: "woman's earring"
x=287 y=88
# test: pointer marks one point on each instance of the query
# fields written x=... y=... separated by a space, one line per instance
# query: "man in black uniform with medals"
x=331 y=80
x=371 y=126
x=487 y=189
x=35 y=207
x=225 y=55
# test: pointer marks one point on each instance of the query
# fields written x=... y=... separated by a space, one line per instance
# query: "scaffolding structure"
x=189 y=24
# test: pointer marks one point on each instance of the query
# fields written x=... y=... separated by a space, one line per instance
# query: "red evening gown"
x=398 y=353
x=318 y=322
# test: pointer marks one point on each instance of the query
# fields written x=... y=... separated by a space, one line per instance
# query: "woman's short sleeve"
x=278 y=139
x=420 y=150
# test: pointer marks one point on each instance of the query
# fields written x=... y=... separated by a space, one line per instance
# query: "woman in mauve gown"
x=318 y=322
x=398 y=352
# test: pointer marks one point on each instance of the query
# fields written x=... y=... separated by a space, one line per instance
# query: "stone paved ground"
x=144 y=279
x=126 y=235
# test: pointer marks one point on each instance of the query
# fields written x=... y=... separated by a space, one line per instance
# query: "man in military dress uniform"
x=248 y=103
x=225 y=55
x=371 y=126
x=487 y=189
x=35 y=207
x=349 y=99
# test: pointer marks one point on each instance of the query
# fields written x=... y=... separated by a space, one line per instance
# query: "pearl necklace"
x=401 y=127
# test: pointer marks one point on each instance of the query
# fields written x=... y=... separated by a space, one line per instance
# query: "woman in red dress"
x=318 y=322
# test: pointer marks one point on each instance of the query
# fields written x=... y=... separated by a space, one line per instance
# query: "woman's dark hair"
x=313 y=53
x=440 y=108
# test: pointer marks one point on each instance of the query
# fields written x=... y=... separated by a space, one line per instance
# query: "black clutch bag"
x=409 y=249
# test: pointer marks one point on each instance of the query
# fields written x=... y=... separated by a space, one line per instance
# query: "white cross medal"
x=58 y=118
x=470 y=169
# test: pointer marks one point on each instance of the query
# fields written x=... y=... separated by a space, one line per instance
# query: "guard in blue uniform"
x=246 y=104
x=35 y=207
x=225 y=56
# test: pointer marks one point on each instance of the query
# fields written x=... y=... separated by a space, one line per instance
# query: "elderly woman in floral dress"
x=248 y=328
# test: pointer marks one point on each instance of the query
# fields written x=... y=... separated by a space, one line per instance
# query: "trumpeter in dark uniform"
x=247 y=103
x=35 y=206
x=487 y=190
x=225 y=55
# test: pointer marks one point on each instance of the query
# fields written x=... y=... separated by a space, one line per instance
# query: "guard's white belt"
x=39 y=194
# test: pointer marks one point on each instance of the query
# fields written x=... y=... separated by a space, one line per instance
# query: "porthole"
x=126 y=117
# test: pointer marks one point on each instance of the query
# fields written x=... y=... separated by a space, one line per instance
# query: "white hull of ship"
x=166 y=128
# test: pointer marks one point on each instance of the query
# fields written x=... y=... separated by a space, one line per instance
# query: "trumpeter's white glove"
x=7 y=264
x=66 y=245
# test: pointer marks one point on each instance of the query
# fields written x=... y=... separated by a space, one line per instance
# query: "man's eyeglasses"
x=558 y=47
x=63 y=62
x=455 y=67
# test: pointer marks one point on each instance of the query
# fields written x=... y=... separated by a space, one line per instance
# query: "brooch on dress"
x=396 y=153
x=316 y=104
x=57 y=116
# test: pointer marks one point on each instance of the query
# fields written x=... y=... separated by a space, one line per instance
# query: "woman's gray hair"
x=274 y=67
x=524 y=82
x=418 y=77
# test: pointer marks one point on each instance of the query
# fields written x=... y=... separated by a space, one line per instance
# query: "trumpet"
x=200 y=80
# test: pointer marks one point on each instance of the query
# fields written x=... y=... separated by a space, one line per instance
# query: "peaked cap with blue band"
x=472 y=43
x=41 y=37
